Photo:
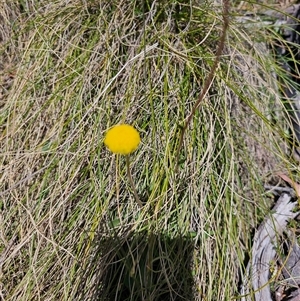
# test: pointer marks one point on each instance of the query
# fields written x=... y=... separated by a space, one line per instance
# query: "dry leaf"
x=296 y=186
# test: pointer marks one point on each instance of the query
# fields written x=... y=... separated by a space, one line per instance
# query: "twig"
x=278 y=189
x=210 y=77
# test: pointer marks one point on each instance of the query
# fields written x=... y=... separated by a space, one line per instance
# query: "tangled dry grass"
x=70 y=228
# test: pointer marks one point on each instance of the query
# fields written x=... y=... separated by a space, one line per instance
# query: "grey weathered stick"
x=263 y=250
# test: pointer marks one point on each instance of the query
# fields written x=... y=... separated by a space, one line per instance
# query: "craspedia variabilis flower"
x=122 y=139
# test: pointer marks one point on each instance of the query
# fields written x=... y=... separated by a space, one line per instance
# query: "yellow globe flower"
x=122 y=139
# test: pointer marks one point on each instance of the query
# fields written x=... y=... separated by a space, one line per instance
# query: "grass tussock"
x=70 y=227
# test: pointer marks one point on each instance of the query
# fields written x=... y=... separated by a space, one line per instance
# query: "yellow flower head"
x=122 y=139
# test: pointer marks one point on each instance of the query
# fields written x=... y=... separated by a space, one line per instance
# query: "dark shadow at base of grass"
x=141 y=266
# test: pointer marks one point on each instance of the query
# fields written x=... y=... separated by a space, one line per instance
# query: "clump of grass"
x=83 y=66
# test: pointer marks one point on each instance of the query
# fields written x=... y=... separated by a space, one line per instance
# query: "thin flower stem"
x=131 y=183
x=118 y=172
x=117 y=178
